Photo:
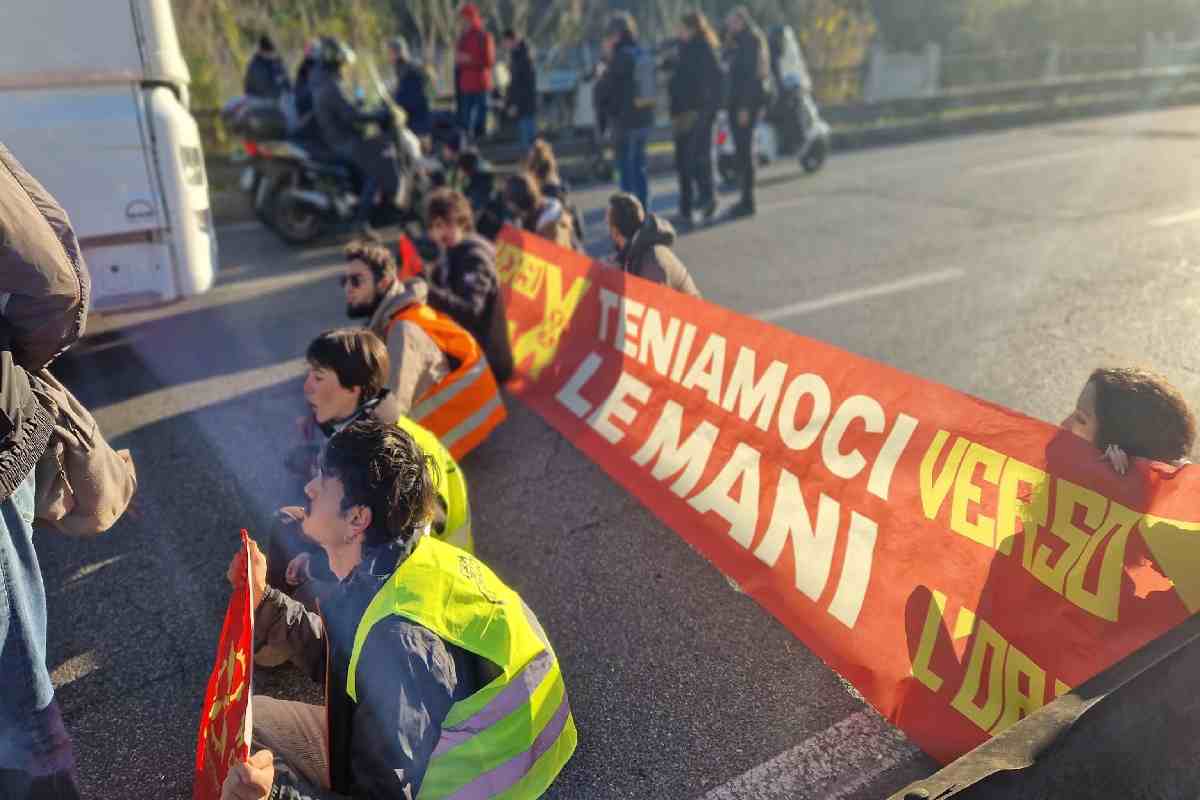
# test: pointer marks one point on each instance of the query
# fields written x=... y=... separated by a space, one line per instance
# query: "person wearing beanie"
x=411 y=90
x=474 y=58
x=643 y=243
x=266 y=75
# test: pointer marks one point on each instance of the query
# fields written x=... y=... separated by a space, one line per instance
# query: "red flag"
x=225 y=721
x=410 y=259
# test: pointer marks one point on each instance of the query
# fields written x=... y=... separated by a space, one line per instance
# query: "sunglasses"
x=354 y=280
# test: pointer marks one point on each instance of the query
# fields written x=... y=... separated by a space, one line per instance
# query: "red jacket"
x=475 y=75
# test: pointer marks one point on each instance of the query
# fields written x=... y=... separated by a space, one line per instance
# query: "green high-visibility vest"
x=451 y=486
x=512 y=737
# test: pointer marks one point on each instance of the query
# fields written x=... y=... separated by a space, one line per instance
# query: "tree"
x=908 y=25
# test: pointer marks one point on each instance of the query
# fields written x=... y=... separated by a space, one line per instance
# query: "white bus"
x=94 y=103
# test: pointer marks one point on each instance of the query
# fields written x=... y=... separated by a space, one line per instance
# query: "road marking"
x=175 y=400
x=74 y=668
x=857 y=295
x=1176 y=219
x=842 y=759
x=1035 y=161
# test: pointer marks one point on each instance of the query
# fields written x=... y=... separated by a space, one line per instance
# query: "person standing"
x=695 y=91
x=266 y=75
x=749 y=76
x=411 y=93
x=475 y=56
x=45 y=286
x=626 y=96
x=521 y=100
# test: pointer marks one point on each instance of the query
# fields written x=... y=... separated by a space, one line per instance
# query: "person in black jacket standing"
x=521 y=100
x=266 y=75
x=749 y=73
x=695 y=90
x=628 y=110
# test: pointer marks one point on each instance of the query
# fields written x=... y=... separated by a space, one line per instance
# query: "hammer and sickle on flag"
x=225 y=720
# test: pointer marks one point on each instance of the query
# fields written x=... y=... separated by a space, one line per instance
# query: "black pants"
x=743 y=142
x=693 y=163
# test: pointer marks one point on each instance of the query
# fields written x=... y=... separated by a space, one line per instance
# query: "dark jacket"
x=648 y=255
x=748 y=72
x=266 y=76
x=522 y=90
x=407 y=678
x=616 y=92
x=698 y=80
x=412 y=97
x=340 y=120
x=464 y=284
x=44 y=295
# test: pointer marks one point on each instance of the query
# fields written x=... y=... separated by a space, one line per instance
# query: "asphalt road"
x=1005 y=265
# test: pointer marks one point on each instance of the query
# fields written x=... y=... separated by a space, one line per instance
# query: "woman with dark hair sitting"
x=538 y=214
x=1133 y=412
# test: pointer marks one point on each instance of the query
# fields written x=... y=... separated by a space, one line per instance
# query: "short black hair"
x=357 y=356
x=375 y=256
x=265 y=44
x=626 y=213
x=383 y=468
x=621 y=24
x=509 y=33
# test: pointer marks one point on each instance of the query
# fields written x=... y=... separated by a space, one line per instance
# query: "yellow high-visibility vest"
x=451 y=486
x=512 y=737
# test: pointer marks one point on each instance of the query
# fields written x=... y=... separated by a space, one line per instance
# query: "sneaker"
x=741 y=210
x=710 y=211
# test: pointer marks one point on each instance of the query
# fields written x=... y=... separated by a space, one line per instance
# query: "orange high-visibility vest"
x=466 y=406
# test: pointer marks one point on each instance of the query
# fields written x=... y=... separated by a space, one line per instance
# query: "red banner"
x=960 y=563
x=225 y=721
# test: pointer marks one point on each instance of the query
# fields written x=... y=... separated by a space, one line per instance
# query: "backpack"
x=645 y=79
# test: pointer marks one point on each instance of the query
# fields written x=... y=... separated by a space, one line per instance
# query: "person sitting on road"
x=411 y=634
x=478 y=181
x=439 y=374
x=544 y=216
x=542 y=164
x=643 y=242
x=463 y=281
x=342 y=122
x=1126 y=412
x=347 y=381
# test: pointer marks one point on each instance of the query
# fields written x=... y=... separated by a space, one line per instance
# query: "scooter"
x=818 y=137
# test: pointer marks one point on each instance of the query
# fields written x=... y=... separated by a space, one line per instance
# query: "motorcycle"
x=815 y=141
x=316 y=191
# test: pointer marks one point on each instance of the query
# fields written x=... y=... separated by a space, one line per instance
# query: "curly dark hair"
x=374 y=255
x=382 y=468
x=1143 y=414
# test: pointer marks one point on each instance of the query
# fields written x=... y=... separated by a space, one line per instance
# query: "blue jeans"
x=473 y=114
x=631 y=161
x=526 y=129
x=33 y=742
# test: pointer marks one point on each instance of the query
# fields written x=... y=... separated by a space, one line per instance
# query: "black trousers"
x=694 y=165
x=743 y=142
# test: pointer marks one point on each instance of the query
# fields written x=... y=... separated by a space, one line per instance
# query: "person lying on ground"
x=643 y=244
x=411 y=634
x=1133 y=413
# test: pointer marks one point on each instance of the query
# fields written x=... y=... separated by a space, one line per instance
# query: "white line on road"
x=1034 y=161
x=1176 y=219
x=856 y=295
x=843 y=758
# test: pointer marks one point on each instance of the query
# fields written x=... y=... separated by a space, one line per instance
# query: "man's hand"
x=237 y=572
x=298 y=571
x=743 y=118
x=252 y=780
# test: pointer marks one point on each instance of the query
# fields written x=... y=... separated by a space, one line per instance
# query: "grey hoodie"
x=648 y=255
x=418 y=364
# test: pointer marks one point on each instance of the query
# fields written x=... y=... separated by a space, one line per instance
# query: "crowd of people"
x=372 y=587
